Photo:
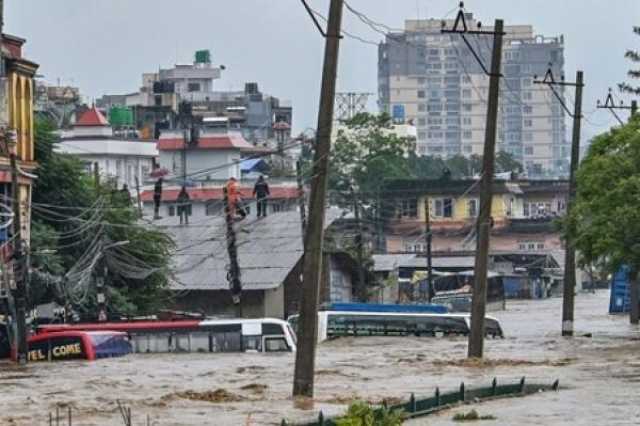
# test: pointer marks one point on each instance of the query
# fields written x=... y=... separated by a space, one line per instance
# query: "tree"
x=506 y=163
x=365 y=153
x=605 y=220
x=71 y=218
x=634 y=57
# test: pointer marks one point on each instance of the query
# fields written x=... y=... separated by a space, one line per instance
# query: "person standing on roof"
x=157 y=198
x=184 y=205
x=261 y=192
x=233 y=196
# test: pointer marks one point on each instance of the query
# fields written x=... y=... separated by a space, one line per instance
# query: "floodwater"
x=600 y=376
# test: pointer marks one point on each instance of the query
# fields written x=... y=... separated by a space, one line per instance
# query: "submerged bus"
x=214 y=335
x=332 y=324
x=74 y=345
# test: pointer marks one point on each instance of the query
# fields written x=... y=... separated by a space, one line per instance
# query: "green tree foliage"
x=634 y=57
x=365 y=153
x=69 y=214
x=605 y=221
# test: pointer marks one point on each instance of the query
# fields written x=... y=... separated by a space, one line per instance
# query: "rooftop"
x=92 y=118
x=268 y=249
x=174 y=141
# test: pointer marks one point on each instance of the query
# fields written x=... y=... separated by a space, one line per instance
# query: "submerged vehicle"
x=70 y=345
x=332 y=324
x=214 y=335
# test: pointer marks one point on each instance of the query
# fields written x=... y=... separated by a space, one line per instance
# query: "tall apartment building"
x=433 y=80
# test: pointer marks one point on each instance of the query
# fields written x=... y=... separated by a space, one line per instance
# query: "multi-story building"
x=120 y=159
x=249 y=111
x=522 y=213
x=433 y=80
x=16 y=115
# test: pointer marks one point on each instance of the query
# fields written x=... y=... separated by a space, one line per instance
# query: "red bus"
x=70 y=345
x=216 y=335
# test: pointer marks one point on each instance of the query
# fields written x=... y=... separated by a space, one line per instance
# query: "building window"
x=527 y=96
x=528 y=150
x=466 y=93
x=468 y=148
x=528 y=123
x=443 y=207
x=528 y=136
x=527 y=109
x=473 y=207
x=193 y=87
x=540 y=246
x=422 y=107
x=421 y=94
x=407 y=208
x=467 y=107
x=467 y=134
x=422 y=121
x=466 y=79
x=466 y=121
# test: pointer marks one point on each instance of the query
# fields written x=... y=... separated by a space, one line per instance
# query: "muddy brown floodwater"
x=600 y=376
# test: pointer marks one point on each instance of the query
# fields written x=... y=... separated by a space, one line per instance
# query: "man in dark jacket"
x=184 y=206
x=261 y=192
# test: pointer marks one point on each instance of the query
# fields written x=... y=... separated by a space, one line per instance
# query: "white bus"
x=212 y=335
x=332 y=324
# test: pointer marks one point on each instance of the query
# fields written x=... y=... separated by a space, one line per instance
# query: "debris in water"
x=216 y=396
x=471 y=416
x=255 y=387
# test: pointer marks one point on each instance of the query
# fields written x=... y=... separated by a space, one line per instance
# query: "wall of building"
x=219 y=303
x=120 y=169
x=225 y=163
x=274 y=303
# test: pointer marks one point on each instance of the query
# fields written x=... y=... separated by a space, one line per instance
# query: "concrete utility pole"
x=138 y=196
x=359 y=247
x=301 y=202
x=479 y=301
x=18 y=254
x=303 y=381
x=96 y=176
x=568 y=301
x=233 y=275
x=429 y=239
x=570 y=251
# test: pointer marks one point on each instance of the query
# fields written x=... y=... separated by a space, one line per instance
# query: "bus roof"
x=380 y=307
x=120 y=326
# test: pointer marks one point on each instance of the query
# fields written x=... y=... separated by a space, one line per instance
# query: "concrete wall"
x=218 y=302
x=274 y=302
x=225 y=163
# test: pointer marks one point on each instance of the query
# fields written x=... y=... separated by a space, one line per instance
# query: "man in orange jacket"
x=233 y=195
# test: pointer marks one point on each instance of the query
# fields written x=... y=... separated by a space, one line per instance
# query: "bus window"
x=62 y=348
x=226 y=342
x=252 y=343
x=269 y=329
x=158 y=342
x=179 y=342
x=39 y=351
x=200 y=342
x=275 y=344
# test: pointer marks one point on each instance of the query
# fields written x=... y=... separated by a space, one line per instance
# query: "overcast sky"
x=103 y=46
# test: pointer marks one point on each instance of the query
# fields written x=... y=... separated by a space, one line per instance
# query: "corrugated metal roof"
x=268 y=249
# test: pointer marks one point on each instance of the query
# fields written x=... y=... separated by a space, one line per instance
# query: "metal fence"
x=441 y=401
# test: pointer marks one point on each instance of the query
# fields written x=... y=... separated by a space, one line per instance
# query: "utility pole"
x=359 y=246
x=233 y=274
x=568 y=297
x=18 y=254
x=101 y=275
x=138 y=196
x=303 y=381
x=610 y=104
x=483 y=225
x=429 y=239
x=479 y=301
x=96 y=176
x=301 y=201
